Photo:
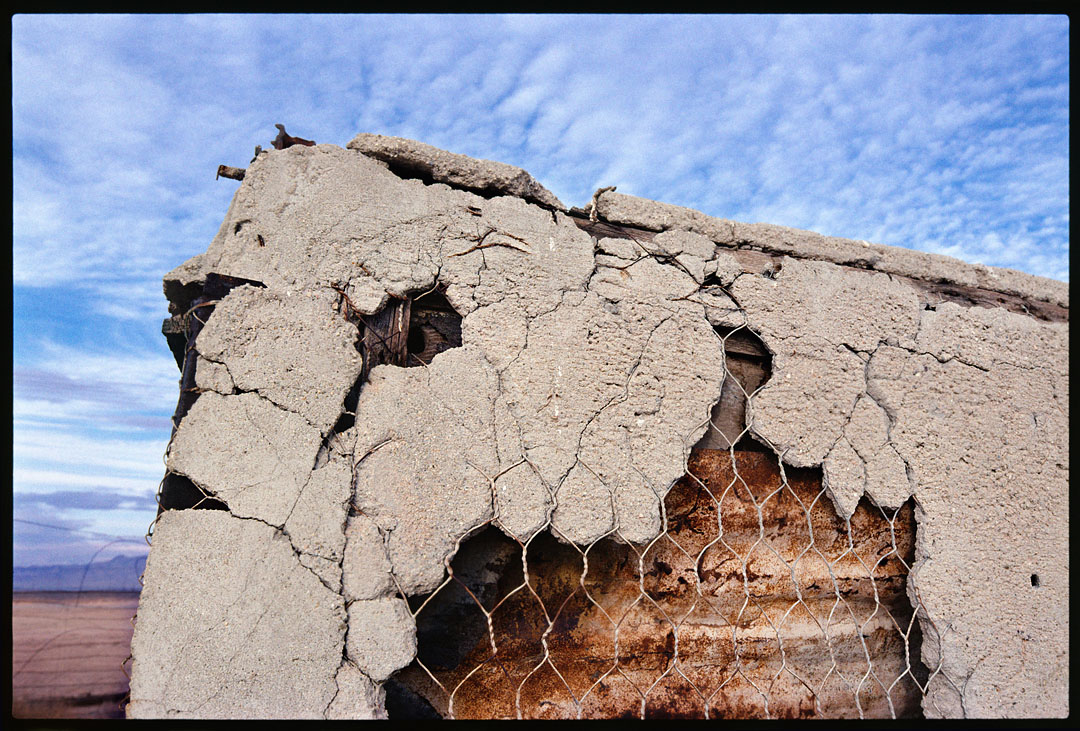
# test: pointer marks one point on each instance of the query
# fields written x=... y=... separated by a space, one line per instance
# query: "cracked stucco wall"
x=588 y=368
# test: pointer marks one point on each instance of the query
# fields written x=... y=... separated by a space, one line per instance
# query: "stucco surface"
x=236 y=626
x=587 y=371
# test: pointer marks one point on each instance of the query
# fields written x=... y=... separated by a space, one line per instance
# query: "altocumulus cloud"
x=946 y=134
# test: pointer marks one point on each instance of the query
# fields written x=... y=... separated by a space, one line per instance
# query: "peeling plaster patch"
x=656 y=216
x=867 y=431
x=819 y=300
x=424 y=455
x=801 y=411
x=247 y=452
x=295 y=350
x=228 y=597
x=213 y=376
x=366 y=567
x=844 y=477
x=357 y=697
x=522 y=502
x=985 y=338
x=382 y=636
x=316 y=524
x=993 y=494
x=644 y=372
x=585 y=509
x=821 y=321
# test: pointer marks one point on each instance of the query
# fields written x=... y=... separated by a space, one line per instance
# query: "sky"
x=946 y=134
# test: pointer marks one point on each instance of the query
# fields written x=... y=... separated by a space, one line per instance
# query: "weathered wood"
x=434 y=327
x=727 y=421
x=175 y=330
x=225 y=171
x=602 y=229
x=386 y=335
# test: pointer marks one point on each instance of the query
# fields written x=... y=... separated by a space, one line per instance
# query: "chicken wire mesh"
x=755 y=599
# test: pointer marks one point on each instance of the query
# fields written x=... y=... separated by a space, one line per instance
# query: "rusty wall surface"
x=757 y=600
x=396 y=358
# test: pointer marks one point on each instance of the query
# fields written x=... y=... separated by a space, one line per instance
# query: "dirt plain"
x=69 y=653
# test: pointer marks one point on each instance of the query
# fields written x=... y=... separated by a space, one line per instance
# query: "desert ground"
x=68 y=653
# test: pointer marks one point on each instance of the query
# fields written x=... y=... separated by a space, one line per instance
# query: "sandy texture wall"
x=592 y=353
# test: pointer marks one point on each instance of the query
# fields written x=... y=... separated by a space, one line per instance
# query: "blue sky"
x=938 y=133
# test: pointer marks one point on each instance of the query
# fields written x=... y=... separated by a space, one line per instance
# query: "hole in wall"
x=748 y=366
x=834 y=590
x=416 y=341
x=1035 y=580
x=408 y=331
x=180 y=493
x=434 y=327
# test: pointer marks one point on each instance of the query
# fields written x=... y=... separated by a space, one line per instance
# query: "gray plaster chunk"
x=517 y=250
x=621 y=248
x=993 y=493
x=357 y=697
x=482 y=176
x=1022 y=284
x=905 y=262
x=815 y=299
x=328 y=570
x=585 y=507
x=382 y=636
x=425 y=458
x=213 y=376
x=654 y=216
x=501 y=327
x=366 y=567
x=843 y=478
x=724 y=267
x=678 y=242
x=320 y=217
x=251 y=454
x=231 y=625
x=802 y=409
x=720 y=309
x=312 y=217
x=316 y=524
x=179 y=283
x=522 y=502
x=295 y=349
x=651 y=215
x=867 y=431
x=191 y=271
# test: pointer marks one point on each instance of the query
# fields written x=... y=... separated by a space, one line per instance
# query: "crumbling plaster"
x=587 y=371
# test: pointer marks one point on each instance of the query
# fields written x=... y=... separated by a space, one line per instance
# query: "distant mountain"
x=120 y=573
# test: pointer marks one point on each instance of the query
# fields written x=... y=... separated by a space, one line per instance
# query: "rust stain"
x=757 y=601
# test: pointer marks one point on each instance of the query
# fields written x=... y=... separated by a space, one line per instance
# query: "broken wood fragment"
x=225 y=171
x=386 y=335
